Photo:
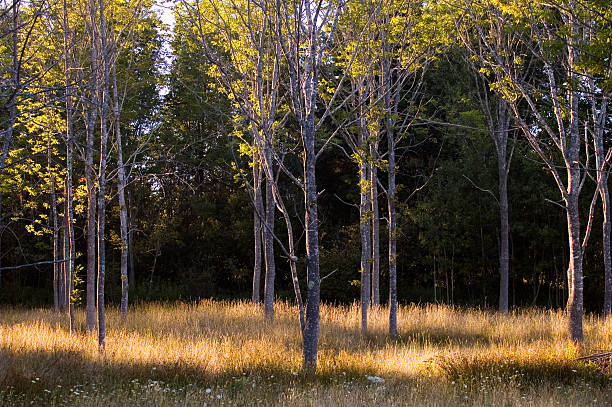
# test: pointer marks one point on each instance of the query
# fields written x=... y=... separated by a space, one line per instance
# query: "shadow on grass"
x=478 y=370
x=27 y=370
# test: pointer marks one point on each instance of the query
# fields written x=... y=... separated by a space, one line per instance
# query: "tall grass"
x=225 y=353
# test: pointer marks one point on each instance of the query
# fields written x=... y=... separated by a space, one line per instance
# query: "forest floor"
x=219 y=353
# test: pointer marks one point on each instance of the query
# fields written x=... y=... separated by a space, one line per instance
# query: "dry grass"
x=220 y=353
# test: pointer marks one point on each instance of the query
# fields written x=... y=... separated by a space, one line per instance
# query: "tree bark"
x=132 y=269
x=574 y=272
x=599 y=115
x=56 y=265
x=123 y=214
x=269 y=244
x=90 y=121
x=54 y=220
x=607 y=229
x=15 y=85
x=257 y=229
x=366 y=235
x=572 y=157
x=391 y=187
x=102 y=180
x=504 y=238
x=71 y=250
x=375 y=226
x=313 y=291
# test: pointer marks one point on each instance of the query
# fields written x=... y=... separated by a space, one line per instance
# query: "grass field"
x=219 y=353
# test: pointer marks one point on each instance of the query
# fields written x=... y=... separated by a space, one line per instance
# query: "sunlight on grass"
x=226 y=353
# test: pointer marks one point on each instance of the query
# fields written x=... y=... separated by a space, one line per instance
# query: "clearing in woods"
x=225 y=353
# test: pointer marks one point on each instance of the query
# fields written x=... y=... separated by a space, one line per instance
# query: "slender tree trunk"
x=102 y=180
x=66 y=255
x=375 y=226
x=71 y=250
x=391 y=187
x=574 y=272
x=267 y=169
x=257 y=229
x=366 y=235
x=313 y=291
x=607 y=229
x=365 y=208
x=56 y=265
x=602 y=185
x=502 y=166
x=599 y=115
x=269 y=244
x=91 y=116
x=132 y=270
x=53 y=205
x=572 y=158
x=123 y=214
x=15 y=86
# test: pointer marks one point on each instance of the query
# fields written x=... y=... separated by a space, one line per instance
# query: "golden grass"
x=225 y=353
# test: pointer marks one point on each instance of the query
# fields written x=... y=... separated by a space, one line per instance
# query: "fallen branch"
x=603 y=360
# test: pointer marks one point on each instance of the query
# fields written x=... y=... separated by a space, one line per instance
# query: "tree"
x=247 y=65
x=496 y=112
x=549 y=35
x=408 y=44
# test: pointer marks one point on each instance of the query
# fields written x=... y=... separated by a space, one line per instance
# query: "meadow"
x=224 y=353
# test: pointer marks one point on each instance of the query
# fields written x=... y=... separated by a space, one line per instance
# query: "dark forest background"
x=192 y=221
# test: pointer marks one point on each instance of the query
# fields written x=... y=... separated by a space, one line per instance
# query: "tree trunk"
x=71 y=250
x=123 y=214
x=269 y=244
x=607 y=229
x=102 y=181
x=15 y=85
x=574 y=272
x=572 y=158
x=91 y=116
x=504 y=234
x=132 y=269
x=599 y=115
x=375 y=226
x=391 y=187
x=366 y=235
x=311 y=331
x=56 y=264
x=66 y=255
x=313 y=291
x=602 y=185
x=257 y=229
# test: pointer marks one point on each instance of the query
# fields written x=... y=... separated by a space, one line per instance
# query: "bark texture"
x=123 y=212
x=375 y=226
x=269 y=247
x=91 y=107
x=257 y=213
x=366 y=236
x=102 y=179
